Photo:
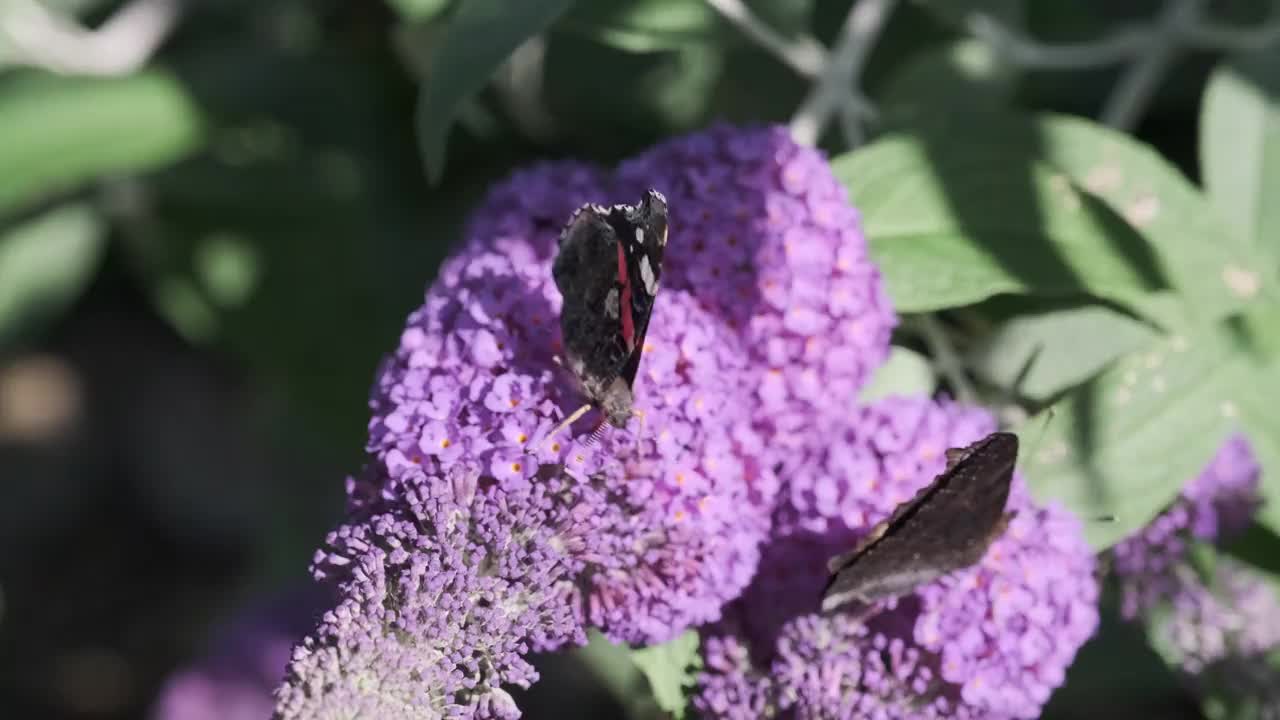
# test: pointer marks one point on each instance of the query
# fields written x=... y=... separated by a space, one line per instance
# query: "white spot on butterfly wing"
x=646 y=275
x=640 y=236
x=612 y=306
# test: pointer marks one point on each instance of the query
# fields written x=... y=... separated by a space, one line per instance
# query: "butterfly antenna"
x=568 y=421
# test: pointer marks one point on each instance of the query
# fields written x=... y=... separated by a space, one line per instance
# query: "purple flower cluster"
x=991 y=641
x=443 y=594
x=474 y=538
x=1222 y=633
x=1216 y=504
x=1215 y=624
x=1232 y=614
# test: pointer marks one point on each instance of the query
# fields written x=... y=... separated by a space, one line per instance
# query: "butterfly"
x=947 y=526
x=607 y=268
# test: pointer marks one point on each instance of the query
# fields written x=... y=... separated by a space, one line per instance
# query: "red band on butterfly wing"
x=624 y=306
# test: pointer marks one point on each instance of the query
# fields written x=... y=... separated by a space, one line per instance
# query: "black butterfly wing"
x=947 y=526
x=607 y=270
x=642 y=237
x=586 y=273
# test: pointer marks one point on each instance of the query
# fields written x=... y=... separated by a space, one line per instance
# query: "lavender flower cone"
x=474 y=539
x=1216 y=625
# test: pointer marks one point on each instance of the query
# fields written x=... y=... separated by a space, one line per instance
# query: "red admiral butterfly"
x=607 y=269
x=947 y=526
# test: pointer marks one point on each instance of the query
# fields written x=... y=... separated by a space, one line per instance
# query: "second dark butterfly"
x=947 y=526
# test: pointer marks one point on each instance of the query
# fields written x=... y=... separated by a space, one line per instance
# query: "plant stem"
x=945 y=358
x=834 y=90
x=40 y=37
x=804 y=54
x=1132 y=94
x=1029 y=54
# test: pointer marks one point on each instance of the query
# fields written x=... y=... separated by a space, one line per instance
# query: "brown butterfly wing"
x=947 y=526
x=954 y=456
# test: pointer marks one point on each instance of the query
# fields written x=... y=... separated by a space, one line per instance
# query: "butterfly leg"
x=598 y=433
x=859 y=611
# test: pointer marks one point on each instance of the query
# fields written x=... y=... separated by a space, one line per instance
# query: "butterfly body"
x=947 y=526
x=608 y=269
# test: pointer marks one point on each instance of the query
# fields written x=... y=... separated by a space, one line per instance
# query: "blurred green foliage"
x=140 y=123
x=45 y=263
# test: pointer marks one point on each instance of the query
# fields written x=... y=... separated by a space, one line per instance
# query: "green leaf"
x=1126 y=442
x=1240 y=147
x=180 y=301
x=1181 y=242
x=482 y=34
x=229 y=267
x=419 y=11
x=670 y=670
x=645 y=25
x=952 y=224
x=1196 y=254
x=1058 y=348
x=655 y=25
x=612 y=665
x=45 y=264
x=57 y=132
x=1259 y=414
x=905 y=372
